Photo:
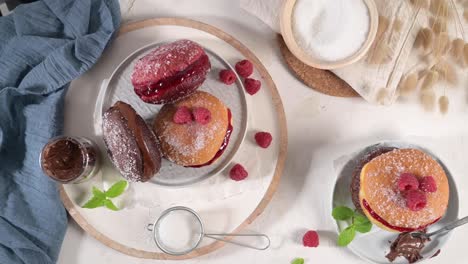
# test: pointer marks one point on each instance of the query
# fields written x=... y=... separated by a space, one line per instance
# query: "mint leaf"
x=359 y=219
x=110 y=205
x=346 y=236
x=298 y=261
x=94 y=202
x=117 y=189
x=342 y=213
x=363 y=225
x=98 y=193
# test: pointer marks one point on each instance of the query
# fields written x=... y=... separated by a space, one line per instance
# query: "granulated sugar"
x=331 y=30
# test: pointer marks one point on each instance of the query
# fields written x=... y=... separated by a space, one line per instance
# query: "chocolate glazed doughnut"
x=132 y=146
x=170 y=72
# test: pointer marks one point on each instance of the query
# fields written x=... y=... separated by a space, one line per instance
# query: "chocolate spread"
x=408 y=247
x=130 y=115
x=63 y=160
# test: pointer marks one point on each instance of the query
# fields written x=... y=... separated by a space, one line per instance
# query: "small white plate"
x=373 y=246
x=119 y=88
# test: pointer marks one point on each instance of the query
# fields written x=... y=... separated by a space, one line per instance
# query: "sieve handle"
x=221 y=236
x=150 y=227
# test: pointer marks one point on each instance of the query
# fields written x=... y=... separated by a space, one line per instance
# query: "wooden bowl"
x=289 y=39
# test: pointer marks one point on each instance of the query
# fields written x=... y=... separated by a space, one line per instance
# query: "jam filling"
x=163 y=86
x=223 y=145
x=385 y=223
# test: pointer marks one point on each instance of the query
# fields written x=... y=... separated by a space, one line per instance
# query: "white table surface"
x=315 y=121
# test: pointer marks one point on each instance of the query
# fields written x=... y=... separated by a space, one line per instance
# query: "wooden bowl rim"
x=289 y=39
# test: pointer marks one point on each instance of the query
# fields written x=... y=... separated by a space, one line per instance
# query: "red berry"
x=244 y=68
x=263 y=139
x=415 y=200
x=252 y=86
x=201 y=115
x=227 y=76
x=238 y=173
x=408 y=181
x=428 y=184
x=182 y=115
x=310 y=239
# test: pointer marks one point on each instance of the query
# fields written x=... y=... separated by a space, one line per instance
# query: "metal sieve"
x=174 y=214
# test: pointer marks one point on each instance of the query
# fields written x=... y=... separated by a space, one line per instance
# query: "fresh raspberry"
x=244 y=68
x=238 y=173
x=428 y=184
x=310 y=239
x=415 y=200
x=252 y=86
x=201 y=115
x=182 y=115
x=263 y=139
x=227 y=76
x=408 y=182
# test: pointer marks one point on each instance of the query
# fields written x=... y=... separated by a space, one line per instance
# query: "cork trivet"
x=322 y=81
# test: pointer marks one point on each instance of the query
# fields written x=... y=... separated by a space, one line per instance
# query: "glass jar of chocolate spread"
x=69 y=159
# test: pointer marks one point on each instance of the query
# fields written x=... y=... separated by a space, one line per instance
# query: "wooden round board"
x=125 y=230
x=323 y=81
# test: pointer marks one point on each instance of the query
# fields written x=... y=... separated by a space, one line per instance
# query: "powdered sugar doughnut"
x=170 y=72
x=193 y=144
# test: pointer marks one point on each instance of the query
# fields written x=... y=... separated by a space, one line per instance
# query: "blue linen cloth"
x=43 y=46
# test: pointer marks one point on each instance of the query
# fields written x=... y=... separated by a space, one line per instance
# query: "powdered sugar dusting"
x=122 y=149
x=166 y=60
x=198 y=137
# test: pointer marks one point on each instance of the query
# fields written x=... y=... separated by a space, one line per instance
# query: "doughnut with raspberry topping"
x=198 y=143
x=387 y=189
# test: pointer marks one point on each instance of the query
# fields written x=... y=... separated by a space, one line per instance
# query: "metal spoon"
x=445 y=229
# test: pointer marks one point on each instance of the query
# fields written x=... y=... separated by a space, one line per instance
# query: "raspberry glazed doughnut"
x=194 y=143
x=170 y=72
x=400 y=190
x=131 y=144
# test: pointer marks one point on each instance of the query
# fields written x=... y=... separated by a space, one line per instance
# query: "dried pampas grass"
x=439 y=26
x=465 y=15
x=408 y=84
x=457 y=48
x=420 y=3
x=427 y=99
x=424 y=39
x=380 y=55
x=465 y=53
x=440 y=8
x=430 y=80
x=383 y=26
x=382 y=95
x=441 y=45
x=443 y=104
x=446 y=71
x=397 y=25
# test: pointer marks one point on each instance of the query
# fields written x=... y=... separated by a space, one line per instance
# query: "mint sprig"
x=101 y=198
x=297 y=261
x=359 y=223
